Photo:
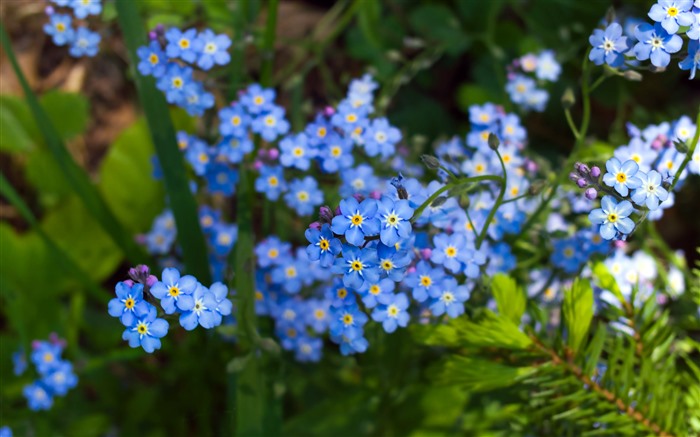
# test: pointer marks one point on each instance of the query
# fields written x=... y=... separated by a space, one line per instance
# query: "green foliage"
x=578 y=312
x=509 y=297
x=478 y=374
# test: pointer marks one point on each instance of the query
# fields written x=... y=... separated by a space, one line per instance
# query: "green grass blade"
x=76 y=176
x=71 y=268
x=155 y=108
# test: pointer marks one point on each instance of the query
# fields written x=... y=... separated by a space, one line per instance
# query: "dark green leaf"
x=509 y=297
x=476 y=374
x=578 y=312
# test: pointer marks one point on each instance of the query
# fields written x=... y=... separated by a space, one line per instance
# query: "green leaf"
x=43 y=172
x=509 y=297
x=171 y=161
x=606 y=280
x=440 y=24
x=470 y=94
x=68 y=112
x=15 y=136
x=487 y=330
x=75 y=175
x=578 y=312
x=476 y=374
x=368 y=17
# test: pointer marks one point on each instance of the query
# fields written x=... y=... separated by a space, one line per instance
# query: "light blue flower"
x=60 y=379
x=202 y=312
x=448 y=298
x=38 y=396
x=672 y=14
x=609 y=46
x=650 y=192
x=85 y=43
x=181 y=44
x=394 y=218
x=271 y=124
x=304 y=195
x=380 y=138
x=357 y=266
x=271 y=182
x=60 y=30
x=656 y=44
x=212 y=49
x=613 y=217
x=296 y=152
x=356 y=220
x=392 y=312
x=129 y=303
x=234 y=121
x=152 y=60
x=174 y=292
x=83 y=8
x=692 y=61
x=146 y=331
x=324 y=246
x=422 y=279
x=621 y=176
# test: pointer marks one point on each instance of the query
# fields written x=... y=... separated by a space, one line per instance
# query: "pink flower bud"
x=582 y=183
x=591 y=194
x=315 y=225
x=426 y=253
x=328 y=111
x=151 y=280
x=619 y=244
x=273 y=154
x=49 y=10
x=129 y=282
x=375 y=195
x=257 y=165
x=595 y=171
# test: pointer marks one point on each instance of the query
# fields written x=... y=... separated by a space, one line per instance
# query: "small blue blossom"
x=45 y=356
x=621 y=176
x=221 y=179
x=291 y=274
x=235 y=148
x=128 y=304
x=392 y=312
x=19 y=362
x=448 y=298
x=233 y=121
x=335 y=153
x=296 y=152
x=356 y=220
x=692 y=61
x=339 y=294
x=358 y=180
x=181 y=44
x=392 y=262
x=83 y=8
x=223 y=237
x=304 y=195
x=174 y=82
x=212 y=49
x=394 y=218
x=448 y=251
x=271 y=182
x=174 y=292
x=152 y=60
x=613 y=217
x=350 y=119
x=317 y=315
x=38 y=396
x=380 y=138
x=270 y=251
x=271 y=124
x=656 y=44
x=60 y=379
x=85 y=43
x=308 y=349
x=547 y=67
x=60 y=30
x=324 y=246
x=199 y=154
x=202 y=312
x=371 y=291
x=519 y=88
x=650 y=192
x=147 y=331
x=567 y=254
x=195 y=99
x=609 y=46
x=422 y=279
x=257 y=99
x=672 y=14
x=357 y=266
x=5 y=431
x=347 y=321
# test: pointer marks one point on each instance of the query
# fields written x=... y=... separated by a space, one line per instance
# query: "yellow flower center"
x=387 y=264
x=235 y=120
x=484 y=118
x=351 y=118
x=303 y=196
x=393 y=311
x=174 y=291
x=324 y=244
x=374 y=289
x=425 y=281
x=291 y=272
x=356 y=219
x=184 y=43
x=336 y=151
x=451 y=251
x=319 y=314
x=48 y=357
x=259 y=295
x=612 y=217
x=347 y=319
x=258 y=100
x=272 y=181
x=207 y=221
x=672 y=11
x=153 y=59
x=291 y=332
x=273 y=253
x=60 y=27
x=568 y=252
x=342 y=293
x=621 y=177
x=177 y=82
x=129 y=303
x=479 y=168
x=356 y=266
x=298 y=152
x=321 y=132
x=270 y=121
x=142 y=328
x=448 y=297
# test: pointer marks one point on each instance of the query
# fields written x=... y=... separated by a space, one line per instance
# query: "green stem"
x=570 y=121
x=269 y=43
x=417 y=213
x=499 y=201
x=688 y=156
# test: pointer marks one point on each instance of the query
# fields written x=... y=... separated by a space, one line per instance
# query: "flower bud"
x=493 y=141
x=591 y=194
x=328 y=111
x=536 y=188
x=633 y=76
x=315 y=225
x=438 y=202
x=337 y=211
x=150 y=280
x=681 y=147
x=431 y=162
x=273 y=154
x=531 y=166
x=376 y=195
x=426 y=253
x=610 y=15
x=573 y=176
x=152 y=35
x=49 y=10
x=325 y=214
x=595 y=171
x=568 y=99
x=582 y=183
x=582 y=168
x=359 y=197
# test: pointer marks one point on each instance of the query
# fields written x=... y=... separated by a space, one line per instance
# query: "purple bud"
x=160 y=28
x=582 y=183
x=359 y=197
x=325 y=214
x=619 y=244
x=129 y=282
x=584 y=169
x=591 y=194
x=273 y=154
x=150 y=280
x=574 y=176
x=328 y=111
x=315 y=225
x=595 y=171
x=531 y=166
x=426 y=253
x=661 y=299
x=375 y=195
x=152 y=35
x=36 y=344
x=49 y=10
x=257 y=165
x=337 y=211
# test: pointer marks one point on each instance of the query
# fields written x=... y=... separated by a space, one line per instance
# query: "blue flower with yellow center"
x=356 y=220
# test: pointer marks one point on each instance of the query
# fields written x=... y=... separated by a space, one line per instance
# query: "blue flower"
x=60 y=379
x=174 y=292
x=484 y=116
x=392 y=312
x=59 y=28
x=212 y=49
x=359 y=180
x=128 y=304
x=270 y=251
x=339 y=294
x=202 y=312
x=308 y=349
x=621 y=176
x=162 y=234
x=83 y=8
x=296 y=152
x=613 y=217
x=5 y=431
x=257 y=99
x=19 y=362
x=362 y=89
x=472 y=259
x=672 y=14
x=271 y=124
x=356 y=220
x=372 y=291
x=422 y=279
x=304 y=195
x=394 y=218
x=198 y=154
x=233 y=121
x=174 y=82
x=85 y=43
x=223 y=237
x=650 y=192
x=357 y=266
x=448 y=298
x=38 y=396
x=519 y=87
x=347 y=321
x=181 y=44
x=448 y=251
x=290 y=274
x=195 y=99
x=567 y=254
x=324 y=246
x=350 y=119
x=392 y=262
x=547 y=66
x=271 y=182
x=235 y=148
x=609 y=46
x=147 y=331
x=152 y=60
x=670 y=162
x=45 y=356
x=656 y=44
x=351 y=344
x=692 y=61
x=317 y=315
x=380 y=138
x=335 y=153
x=221 y=179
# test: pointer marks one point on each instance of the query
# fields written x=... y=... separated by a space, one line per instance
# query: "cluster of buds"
x=141 y=274
x=587 y=177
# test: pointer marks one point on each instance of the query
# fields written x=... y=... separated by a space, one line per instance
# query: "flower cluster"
x=56 y=374
x=169 y=56
x=639 y=176
x=195 y=304
x=651 y=42
x=81 y=40
x=525 y=72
